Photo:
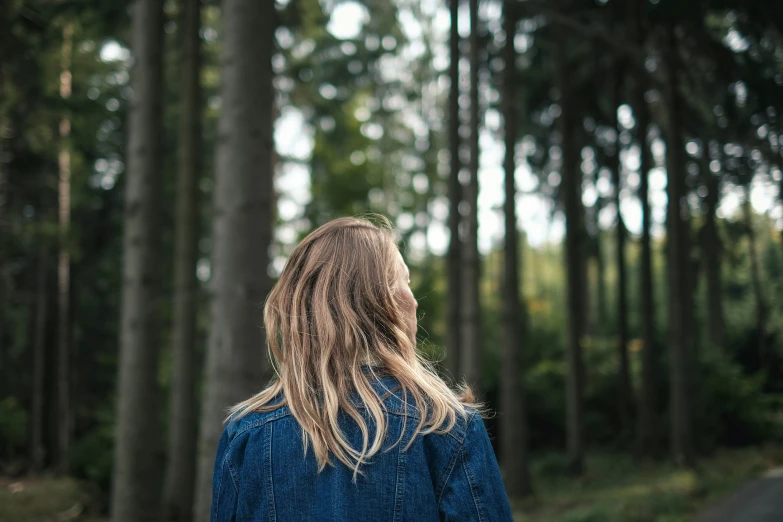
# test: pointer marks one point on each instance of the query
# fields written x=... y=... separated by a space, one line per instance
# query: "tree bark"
x=571 y=186
x=514 y=434
x=647 y=433
x=680 y=297
x=4 y=228
x=137 y=478
x=780 y=192
x=624 y=391
x=454 y=254
x=712 y=249
x=181 y=463
x=236 y=364
x=778 y=151
x=470 y=357
x=64 y=264
x=758 y=289
x=4 y=235
x=37 y=451
x=601 y=285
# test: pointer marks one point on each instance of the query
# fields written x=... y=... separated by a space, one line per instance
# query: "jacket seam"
x=233 y=473
x=279 y=414
x=476 y=501
x=269 y=482
x=449 y=471
x=220 y=486
x=398 y=501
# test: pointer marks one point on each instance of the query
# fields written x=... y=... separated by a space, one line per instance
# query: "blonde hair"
x=330 y=320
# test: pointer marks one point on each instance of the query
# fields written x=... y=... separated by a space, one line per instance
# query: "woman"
x=354 y=426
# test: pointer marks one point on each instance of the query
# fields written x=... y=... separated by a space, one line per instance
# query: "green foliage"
x=13 y=427
x=732 y=408
x=91 y=456
x=618 y=488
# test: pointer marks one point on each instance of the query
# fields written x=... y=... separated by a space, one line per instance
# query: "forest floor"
x=48 y=499
x=618 y=488
x=615 y=488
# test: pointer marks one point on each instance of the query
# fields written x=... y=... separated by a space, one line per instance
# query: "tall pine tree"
x=242 y=229
x=136 y=483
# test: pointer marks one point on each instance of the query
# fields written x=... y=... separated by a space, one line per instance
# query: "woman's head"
x=342 y=300
x=341 y=311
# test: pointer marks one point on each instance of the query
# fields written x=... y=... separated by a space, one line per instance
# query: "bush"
x=91 y=456
x=13 y=427
x=731 y=408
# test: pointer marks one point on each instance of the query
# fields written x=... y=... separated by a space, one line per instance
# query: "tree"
x=779 y=157
x=600 y=265
x=647 y=435
x=625 y=390
x=455 y=196
x=37 y=452
x=180 y=471
x=5 y=82
x=570 y=185
x=136 y=482
x=755 y=274
x=712 y=249
x=470 y=356
x=242 y=229
x=64 y=264
x=777 y=154
x=679 y=281
x=514 y=436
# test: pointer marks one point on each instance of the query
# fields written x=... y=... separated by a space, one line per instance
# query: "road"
x=760 y=500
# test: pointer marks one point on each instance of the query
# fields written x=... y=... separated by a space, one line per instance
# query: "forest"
x=589 y=194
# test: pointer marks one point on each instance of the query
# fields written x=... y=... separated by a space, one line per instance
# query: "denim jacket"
x=262 y=473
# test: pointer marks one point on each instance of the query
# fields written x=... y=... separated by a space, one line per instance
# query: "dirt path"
x=760 y=500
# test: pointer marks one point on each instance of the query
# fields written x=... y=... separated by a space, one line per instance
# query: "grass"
x=617 y=488
x=45 y=499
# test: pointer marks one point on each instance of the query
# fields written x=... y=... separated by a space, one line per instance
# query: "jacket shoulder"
x=462 y=424
x=237 y=425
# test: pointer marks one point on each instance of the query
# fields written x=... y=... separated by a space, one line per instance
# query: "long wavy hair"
x=333 y=322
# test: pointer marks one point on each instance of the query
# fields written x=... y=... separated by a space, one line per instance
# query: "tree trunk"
x=236 y=364
x=778 y=150
x=680 y=297
x=647 y=436
x=64 y=265
x=571 y=186
x=601 y=285
x=624 y=391
x=470 y=357
x=454 y=254
x=137 y=458
x=37 y=452
x=181 y=463
x=712 y=253
x=758 y=289
x=514 y=436
x=779 y=156
x=4 y=228
x=4 y=235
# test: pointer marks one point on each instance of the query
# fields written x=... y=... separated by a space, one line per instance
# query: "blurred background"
x=588 y=194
